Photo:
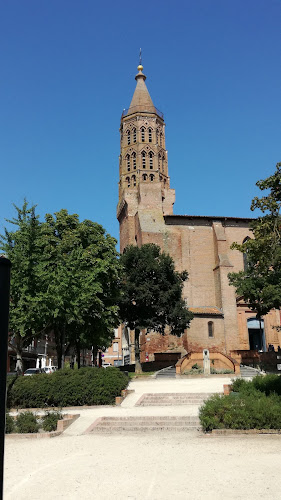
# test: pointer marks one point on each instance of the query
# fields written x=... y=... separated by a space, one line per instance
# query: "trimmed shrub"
x=27 y=423
x=87 y=386
x=268 y=384
x=241 y=411
x=10 y=424
x=50 y=420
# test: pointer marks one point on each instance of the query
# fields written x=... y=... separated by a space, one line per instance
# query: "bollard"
x=5 y=266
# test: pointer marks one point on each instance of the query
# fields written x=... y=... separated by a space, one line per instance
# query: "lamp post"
x=5 y=266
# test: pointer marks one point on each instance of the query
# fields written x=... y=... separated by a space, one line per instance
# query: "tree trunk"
x=94 y=355
x=261 y=336
x=138 y=368
x=58 y=340
x=78 y=353
x=18 y=349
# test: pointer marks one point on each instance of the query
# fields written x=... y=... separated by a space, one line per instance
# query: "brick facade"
x=200 y=245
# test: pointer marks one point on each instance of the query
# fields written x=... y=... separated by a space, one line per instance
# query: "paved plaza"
x=147 y=465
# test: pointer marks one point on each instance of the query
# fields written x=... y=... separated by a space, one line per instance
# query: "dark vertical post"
x=5 y=266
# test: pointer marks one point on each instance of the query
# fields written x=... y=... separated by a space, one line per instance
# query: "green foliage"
x=79 y=281
x=194 y=371
x=214 y=371
x=27 y=423
x=87 y=386
x=152 y=291
x=268 y=384
x=21 y=247
x=252 y=411
x=10 y=424
x=65 y=277
x=50 y=420
x=196 y=367
x=254 y=404
x=260 y=283
x=10 y=381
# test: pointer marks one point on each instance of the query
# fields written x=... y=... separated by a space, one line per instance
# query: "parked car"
x=106 y=365
x=32 y=371
x=49 y=369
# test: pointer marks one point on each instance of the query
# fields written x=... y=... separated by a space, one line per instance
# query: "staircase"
x=172 y=399
x=169 y=372
x=109 y=425
x=248 y=371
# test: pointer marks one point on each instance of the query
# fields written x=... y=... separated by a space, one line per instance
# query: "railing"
x=142 y=109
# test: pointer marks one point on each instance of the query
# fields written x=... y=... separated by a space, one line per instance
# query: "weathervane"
x=140 y=58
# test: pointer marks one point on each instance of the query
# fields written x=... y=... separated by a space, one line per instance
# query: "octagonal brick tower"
x=144 y=184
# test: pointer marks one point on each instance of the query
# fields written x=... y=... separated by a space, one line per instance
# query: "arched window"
x=210 y=329
x=134 y=180
x=142 y=134
x=143 y=157
x=151 y=160
x=134 y=160
x=149 y=135
x=128 y=181
x=128 y=137
x=144 y=177
x=163 y=163
x=151 y=177
x=157 y=137
x=245 y=256
x=128 y=163
x=161 y=139
x=134 y=134
x=159 y=161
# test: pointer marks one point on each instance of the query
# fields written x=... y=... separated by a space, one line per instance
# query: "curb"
x=237 y=432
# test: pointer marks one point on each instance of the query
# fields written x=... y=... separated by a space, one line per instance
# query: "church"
x=199 y=244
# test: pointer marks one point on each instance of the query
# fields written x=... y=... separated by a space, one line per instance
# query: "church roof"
x=206 y=311
x=141 y=101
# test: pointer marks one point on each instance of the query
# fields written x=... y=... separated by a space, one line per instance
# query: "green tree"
x=152 y=293
x=22 y=248
x=79 y=282
x=260 y=282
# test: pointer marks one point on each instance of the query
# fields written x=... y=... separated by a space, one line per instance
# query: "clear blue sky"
x=67 y=71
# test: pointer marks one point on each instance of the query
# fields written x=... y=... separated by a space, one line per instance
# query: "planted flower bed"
x=30 y=423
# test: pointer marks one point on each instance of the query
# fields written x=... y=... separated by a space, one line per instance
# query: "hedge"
x=253 y=405
x=87 y=386
x=268 y=384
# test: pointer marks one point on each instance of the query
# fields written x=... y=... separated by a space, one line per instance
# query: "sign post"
x=5 y=266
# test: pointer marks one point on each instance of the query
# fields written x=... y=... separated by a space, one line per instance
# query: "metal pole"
x=5 y=266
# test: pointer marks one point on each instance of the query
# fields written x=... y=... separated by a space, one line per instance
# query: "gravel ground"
x=152 y=466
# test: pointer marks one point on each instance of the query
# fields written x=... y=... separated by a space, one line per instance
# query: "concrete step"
x=121 y=428
x=248 y=371
x=144 y=424
x=176 y=399
x=169 y=372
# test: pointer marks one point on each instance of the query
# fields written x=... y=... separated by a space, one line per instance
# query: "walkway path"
x=150 y=385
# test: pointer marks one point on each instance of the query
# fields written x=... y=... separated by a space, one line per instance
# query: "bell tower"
x=144 y=184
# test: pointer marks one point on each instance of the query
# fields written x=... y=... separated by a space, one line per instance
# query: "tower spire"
x=141 y=100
